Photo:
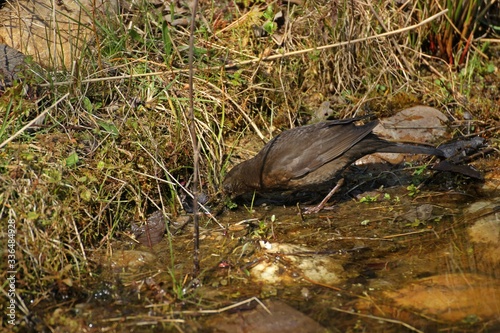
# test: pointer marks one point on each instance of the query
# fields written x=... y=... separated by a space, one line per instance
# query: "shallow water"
x=397 y=260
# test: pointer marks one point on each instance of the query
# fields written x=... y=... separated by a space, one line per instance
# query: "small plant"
x=72 y=159
x=261 y=232
x=412 y=190
x=420 y=170
x=269 y=26
x=231 y=204
x=250 y=209
x=416 y=223
x=369 y=198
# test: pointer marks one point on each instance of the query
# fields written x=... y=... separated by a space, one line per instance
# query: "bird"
x=310 y=157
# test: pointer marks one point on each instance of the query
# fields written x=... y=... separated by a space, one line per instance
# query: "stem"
x=194 y=140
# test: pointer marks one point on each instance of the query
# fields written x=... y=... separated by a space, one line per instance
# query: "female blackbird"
x=307 y=157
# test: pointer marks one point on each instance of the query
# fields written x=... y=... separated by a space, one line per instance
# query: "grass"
x=113 y=150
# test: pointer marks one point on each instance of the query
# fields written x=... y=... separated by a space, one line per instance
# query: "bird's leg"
x=321 y=205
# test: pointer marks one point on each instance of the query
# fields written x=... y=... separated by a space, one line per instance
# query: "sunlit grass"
x=97 y=163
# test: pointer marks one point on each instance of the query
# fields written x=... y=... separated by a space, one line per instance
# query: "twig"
x=151 y=320
x=359 y=238
x=229 y=307
x=408 y=234
x=394 y=321
x=194 y=141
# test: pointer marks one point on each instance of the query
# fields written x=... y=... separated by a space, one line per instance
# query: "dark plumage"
x=306 y=157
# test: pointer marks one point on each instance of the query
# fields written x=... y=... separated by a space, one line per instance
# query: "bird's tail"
x=406 y=148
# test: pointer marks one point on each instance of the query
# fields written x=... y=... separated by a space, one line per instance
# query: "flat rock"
x=285 y=263
x=52 y=32
x=451 y=297
x=282 y=319
x=485 y=232
x=131 y=259
x=419 y=124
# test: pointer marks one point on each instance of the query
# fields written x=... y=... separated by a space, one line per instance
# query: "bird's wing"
x=345 y=138
x=298 y=152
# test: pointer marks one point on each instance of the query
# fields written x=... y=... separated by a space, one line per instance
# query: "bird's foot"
x=321 y=205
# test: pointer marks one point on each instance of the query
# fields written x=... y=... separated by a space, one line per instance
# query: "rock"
x=485 y=232
x=131 y=259
x=151 y=232
x=418 y=124
x=281 y=319
x=421 y=213
x=451 y=297
x=52 y=32
x=287 y=262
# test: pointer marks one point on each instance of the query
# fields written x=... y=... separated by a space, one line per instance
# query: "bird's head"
x=234 y=182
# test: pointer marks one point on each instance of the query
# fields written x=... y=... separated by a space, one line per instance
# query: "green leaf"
x=87 y=104
x=167 y=41
x=369 y=198
x=72 y=160
x=32 y=216
x=420 y=170
x=231 y=205
x=269 y=13
x=270 y=27
x=82 y=179
x=109 y=127
x=412 y=190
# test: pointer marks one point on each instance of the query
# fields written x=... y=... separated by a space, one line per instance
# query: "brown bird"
x=309 y=157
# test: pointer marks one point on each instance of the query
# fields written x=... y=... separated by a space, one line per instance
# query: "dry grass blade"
x=269 y=58
x=350 y=42
x=36 y=119
x=224 y=309
x=379 y=318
